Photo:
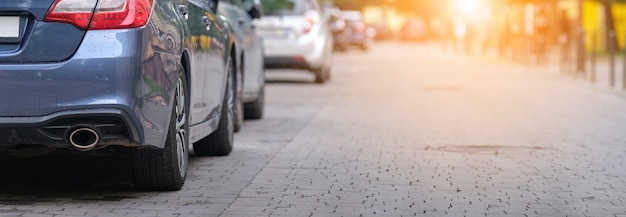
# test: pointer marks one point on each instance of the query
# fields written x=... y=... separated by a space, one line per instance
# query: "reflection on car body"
x=354 y=33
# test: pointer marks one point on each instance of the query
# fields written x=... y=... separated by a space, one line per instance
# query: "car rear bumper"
x=304 y=53
x=114 y=83
x=359 y=39
x=113 y=127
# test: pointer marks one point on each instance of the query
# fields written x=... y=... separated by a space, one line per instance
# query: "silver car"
x=249 y=53
x=296 y=35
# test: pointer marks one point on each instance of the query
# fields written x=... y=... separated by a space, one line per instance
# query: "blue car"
x=149 y=77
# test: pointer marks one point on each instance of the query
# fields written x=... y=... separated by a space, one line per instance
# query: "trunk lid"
x=28 y=39
x=280 y=27
x=287 y=19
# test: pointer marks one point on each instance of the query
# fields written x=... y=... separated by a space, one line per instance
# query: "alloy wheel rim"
x=181 y=121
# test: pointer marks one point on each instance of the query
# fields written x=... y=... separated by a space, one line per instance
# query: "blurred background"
x=569 y=32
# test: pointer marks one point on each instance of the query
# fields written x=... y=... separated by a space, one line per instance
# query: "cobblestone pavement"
x=404 y=130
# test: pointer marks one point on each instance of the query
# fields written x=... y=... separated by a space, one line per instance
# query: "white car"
x=296 y=36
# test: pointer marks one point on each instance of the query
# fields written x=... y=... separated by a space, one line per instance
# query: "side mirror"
x=213 y=5
x=256 y=11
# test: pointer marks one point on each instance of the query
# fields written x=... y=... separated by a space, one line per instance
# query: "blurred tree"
x=425 y=8
x=610 y=24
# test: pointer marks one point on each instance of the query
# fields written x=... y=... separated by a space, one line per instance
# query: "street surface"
x=402 y=130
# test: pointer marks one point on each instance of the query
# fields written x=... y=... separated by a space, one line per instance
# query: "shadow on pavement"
x=68 y=177
x=62 y=177
x=286 y=81
x=289 y=76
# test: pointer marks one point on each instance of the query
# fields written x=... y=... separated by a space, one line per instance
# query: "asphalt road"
x=402 y=130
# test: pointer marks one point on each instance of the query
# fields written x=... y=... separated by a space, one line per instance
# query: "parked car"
x=414 y=29
x=383 y=31
x=296 y=35
x=355 y=33
x=145 y=76
x=337 y=27
x=249 y=53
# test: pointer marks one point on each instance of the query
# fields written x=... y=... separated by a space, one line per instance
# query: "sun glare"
x=468 y=7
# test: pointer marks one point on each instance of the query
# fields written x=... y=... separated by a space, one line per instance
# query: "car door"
x=253 y=64
x=208 y=69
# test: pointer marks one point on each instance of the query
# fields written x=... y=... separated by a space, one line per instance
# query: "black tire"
x=322 y=74
x=220 y=142
x=239 y=109
x=327 y=74
x=166 y=169
x=239 y=115
x=254 y=110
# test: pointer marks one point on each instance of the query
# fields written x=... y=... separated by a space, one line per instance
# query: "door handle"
x=241 y=21
x=184 y=10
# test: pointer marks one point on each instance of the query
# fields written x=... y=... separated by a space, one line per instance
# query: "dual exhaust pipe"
x=83 y=137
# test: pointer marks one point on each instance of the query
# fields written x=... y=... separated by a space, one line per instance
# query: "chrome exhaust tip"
x=83 y=138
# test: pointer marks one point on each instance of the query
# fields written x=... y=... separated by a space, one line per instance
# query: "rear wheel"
x=327 y=74
x=254 y=109
x=239 y=115
x=239 y=108
x=220 y=142
x=322 y=74
x=166 y=169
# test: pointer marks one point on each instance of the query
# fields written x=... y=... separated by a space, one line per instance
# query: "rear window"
x=286 y=7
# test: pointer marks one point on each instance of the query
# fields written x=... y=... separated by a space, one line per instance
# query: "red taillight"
x=299 y=58
x=108 y=14
x=75 y=12
x=121 y=14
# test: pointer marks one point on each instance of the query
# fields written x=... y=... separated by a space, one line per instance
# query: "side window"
x=247 y=4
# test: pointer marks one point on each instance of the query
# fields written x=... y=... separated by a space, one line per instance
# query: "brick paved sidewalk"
x=422 y=135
